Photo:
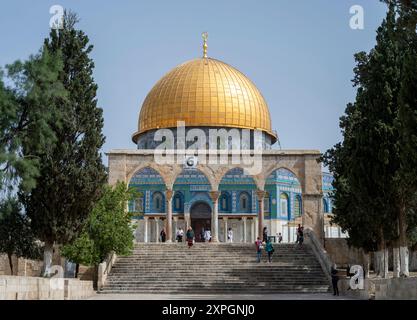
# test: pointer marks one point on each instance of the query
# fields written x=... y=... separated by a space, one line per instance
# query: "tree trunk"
x=366 y=264
x=47 y=258
x=386 y=256
x=404 y=271
x=376 y=262
x=95 y=278
x=77 y=269
x=382 y=258
x=396 y=259
x=10 y=263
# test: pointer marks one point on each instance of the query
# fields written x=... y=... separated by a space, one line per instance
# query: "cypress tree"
x=407 y=127
x=71 y=175
x=370 y=153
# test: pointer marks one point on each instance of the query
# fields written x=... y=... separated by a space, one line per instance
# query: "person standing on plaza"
x=301 y=236
x=230 y=235
x=163 y=235
x=259 y=247
x=335 y=280
x=180 y=235
x=190 y=237
x=207 y=235
x=265 y=234
x=298 y=233
x=269 y=248
x=202 y=235
x=279 y=237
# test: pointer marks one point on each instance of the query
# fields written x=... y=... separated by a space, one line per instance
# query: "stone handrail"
x=104 y=269
x=321 y=254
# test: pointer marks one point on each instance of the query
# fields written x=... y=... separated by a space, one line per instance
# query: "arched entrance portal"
x=200 y=214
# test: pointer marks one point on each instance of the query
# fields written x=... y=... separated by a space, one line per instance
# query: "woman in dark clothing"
x=335 y=280
x=300 y=235
x=163 y=235
x=190 y=237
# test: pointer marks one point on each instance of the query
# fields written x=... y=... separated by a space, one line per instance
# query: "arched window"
x=158 y=202
x=325 y=206
x=283 y=200
x=224 y=202
x=267 y=203
x=297 y=206
x=244 y=202
x=138 y=205
x=178 y=202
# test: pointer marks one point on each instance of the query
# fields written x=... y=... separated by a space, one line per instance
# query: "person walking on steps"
x=269 y=248
x=259 y=247
x=190 y=237
x=335 y=280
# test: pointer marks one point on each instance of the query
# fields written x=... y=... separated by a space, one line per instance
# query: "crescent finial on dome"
x=205 y=37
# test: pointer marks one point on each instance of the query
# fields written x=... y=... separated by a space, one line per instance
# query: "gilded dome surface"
x=204 y=92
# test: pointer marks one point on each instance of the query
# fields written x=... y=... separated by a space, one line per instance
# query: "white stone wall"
x=35 y=288
x=396 y=288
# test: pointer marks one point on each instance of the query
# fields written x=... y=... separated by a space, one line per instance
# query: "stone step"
x=215 y=268
x=221 y=282
x=254 y=266
x=180 y=276
x=156 y=286
x=219 y=292
x=206 y=290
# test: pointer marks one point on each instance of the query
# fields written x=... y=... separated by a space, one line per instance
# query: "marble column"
x=214 y=195
x=187 y=219
x=260 y=196
x=168 y=223
x=145 y=232
x=255 y=228
x=157 y=228
x=225 y=228
x=244 y=229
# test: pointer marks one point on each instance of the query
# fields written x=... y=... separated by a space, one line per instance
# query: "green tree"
x=71 y=173
x=24 y=115
x=16 y=236
x=108 y=228
x=368 y=159
x=407 y=127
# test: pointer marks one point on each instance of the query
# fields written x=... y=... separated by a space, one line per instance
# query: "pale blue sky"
x=298 y=53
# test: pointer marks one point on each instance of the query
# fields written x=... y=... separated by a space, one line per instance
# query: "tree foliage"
x=71 y=173
x=16 y=236
x=372 y=163
x=108 y=229
x=25 y=112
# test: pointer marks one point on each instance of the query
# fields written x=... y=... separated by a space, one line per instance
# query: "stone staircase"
x=209 y=268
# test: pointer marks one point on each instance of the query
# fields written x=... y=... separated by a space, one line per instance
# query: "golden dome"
x=204 y=93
